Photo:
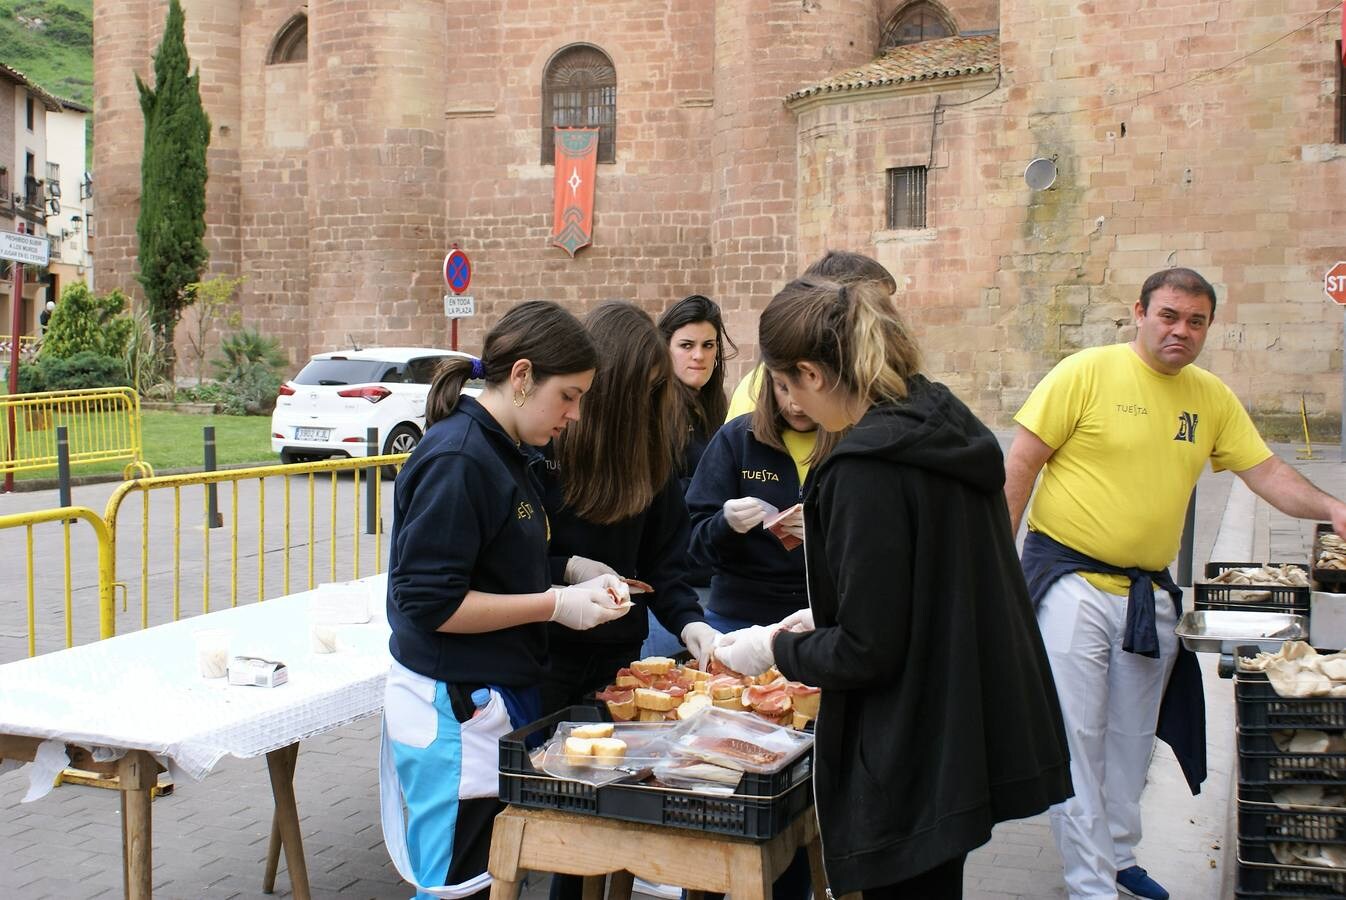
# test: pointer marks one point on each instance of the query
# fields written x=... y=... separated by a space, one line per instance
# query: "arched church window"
x=579 y=90
x=291 y=42
x=916 y=22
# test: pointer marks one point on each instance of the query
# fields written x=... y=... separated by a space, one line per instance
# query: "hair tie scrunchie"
x=478 y=370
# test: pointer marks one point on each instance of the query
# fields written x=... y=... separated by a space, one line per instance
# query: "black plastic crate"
x=1268 y=879
x=1328 y=579
x=1261 y=709
x=761 y=807
x=1282 y=599
x=1260 y=824
x=1264 y=767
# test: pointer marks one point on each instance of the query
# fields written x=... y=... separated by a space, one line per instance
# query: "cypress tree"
x=172 y=220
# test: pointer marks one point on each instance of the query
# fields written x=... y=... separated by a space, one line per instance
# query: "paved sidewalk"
x=210 y=838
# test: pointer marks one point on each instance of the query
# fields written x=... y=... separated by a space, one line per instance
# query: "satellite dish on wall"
x=1040 y=174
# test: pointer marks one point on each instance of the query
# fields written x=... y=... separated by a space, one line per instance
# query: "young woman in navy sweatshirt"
x=616 y=505
x=756 y=580
x=469 y=592
x=939 y=715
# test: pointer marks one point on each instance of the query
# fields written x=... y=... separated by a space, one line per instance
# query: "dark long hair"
x=622 y=452
x=708 y=406
x=853 y=331
x=846 y=267
x=539 y=331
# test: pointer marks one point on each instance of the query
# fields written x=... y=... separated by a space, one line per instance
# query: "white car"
x=324 y=410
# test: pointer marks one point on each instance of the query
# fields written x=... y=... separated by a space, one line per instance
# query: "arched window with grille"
x=579 y=90
x=291 y=44
x=916 y=22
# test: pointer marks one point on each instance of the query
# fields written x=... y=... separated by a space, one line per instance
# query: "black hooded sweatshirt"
x=939 y=714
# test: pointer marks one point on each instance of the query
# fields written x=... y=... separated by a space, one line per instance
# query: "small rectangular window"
x=31 y=113
x=906 y=197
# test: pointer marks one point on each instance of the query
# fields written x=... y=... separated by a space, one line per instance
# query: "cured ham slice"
x=739 y=749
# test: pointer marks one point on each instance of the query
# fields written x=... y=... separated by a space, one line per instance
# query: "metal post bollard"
x=371 y=483
x=63 y=463
x=213 y=517
x=1184 y=578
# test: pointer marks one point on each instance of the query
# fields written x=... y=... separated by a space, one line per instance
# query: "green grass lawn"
x=173 y=441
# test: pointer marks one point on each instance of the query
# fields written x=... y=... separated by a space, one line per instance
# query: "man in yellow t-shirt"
x=1121 y=435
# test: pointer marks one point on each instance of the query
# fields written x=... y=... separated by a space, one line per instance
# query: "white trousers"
x=1110 y=703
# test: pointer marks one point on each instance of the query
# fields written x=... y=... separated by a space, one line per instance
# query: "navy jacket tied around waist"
x=1182 y=713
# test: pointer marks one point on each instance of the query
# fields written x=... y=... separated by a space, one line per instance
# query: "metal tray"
x=1221 y=631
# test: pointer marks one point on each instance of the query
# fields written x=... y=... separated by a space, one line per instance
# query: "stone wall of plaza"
x=1237 y=174
x=339 y=182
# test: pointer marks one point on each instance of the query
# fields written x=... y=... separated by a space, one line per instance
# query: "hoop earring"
x=519 y=398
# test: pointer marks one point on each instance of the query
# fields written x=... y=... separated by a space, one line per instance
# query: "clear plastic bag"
x=647 y=743
x=739 y=740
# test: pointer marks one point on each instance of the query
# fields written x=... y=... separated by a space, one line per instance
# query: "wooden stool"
x=544 y=840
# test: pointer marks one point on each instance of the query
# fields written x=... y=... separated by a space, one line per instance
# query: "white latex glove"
x=589 y=603
x=578 y=569
x=700 y=639
x=748 y=650
x=801 y=620
x=743 y=513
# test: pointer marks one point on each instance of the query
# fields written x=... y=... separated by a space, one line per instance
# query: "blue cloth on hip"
x=1182 y=712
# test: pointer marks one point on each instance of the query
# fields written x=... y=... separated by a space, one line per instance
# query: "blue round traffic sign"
x=457 y=271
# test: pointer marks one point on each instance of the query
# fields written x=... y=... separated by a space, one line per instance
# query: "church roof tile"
x=941 y=58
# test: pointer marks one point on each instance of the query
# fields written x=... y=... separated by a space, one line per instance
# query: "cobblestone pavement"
x=210 y=838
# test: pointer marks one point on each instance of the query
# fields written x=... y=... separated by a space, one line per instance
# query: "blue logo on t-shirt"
x=1186 y=427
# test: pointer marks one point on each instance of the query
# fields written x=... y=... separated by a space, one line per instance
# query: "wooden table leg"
x=506 y=846
x=621 y=884
x=748 y=879
x=593 y=887
x=137 y=774
x=289 y=759
x=816 y=870
x=280 y=765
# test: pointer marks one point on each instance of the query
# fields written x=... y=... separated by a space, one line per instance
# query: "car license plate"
x=311 y=434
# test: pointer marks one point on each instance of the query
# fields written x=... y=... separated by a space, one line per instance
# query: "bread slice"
x=728 y=703
x=650 y=715
x=609 y=751
x=623 y=710
x=725 y=691
x=596 y=730
x=579 y=751
x=660 y=701
x=653 y=665
x=629 y=680
x=807 y=702
x=694 y=704
x=800 y=721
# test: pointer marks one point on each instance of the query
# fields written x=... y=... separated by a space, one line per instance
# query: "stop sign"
x=1334 y=283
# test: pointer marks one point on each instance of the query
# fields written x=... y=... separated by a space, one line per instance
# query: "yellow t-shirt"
x=744 y=399
x=1130 y=444
x=799 y=444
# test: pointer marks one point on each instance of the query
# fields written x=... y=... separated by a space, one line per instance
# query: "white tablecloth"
x=143 y=691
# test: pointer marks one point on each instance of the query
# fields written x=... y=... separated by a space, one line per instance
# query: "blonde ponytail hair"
x=853 y=331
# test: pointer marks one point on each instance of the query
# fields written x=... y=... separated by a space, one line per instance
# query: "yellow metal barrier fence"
x=28 y=344
x=104 y=424
x=260 y=520
x=106 y=577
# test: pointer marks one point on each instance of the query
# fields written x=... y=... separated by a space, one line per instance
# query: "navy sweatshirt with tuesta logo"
x=469 y=515
x=755 y=578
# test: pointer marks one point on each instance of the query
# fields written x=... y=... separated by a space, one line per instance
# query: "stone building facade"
x=355 y=142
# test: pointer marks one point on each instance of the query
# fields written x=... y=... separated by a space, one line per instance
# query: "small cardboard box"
x=252 y=671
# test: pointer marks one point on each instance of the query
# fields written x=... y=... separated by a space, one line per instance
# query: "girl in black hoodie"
x=939 y=716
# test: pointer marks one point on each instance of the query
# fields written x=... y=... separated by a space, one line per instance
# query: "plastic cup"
x=212 y=652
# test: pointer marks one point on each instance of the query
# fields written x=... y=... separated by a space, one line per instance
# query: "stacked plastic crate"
x=1292 y=768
